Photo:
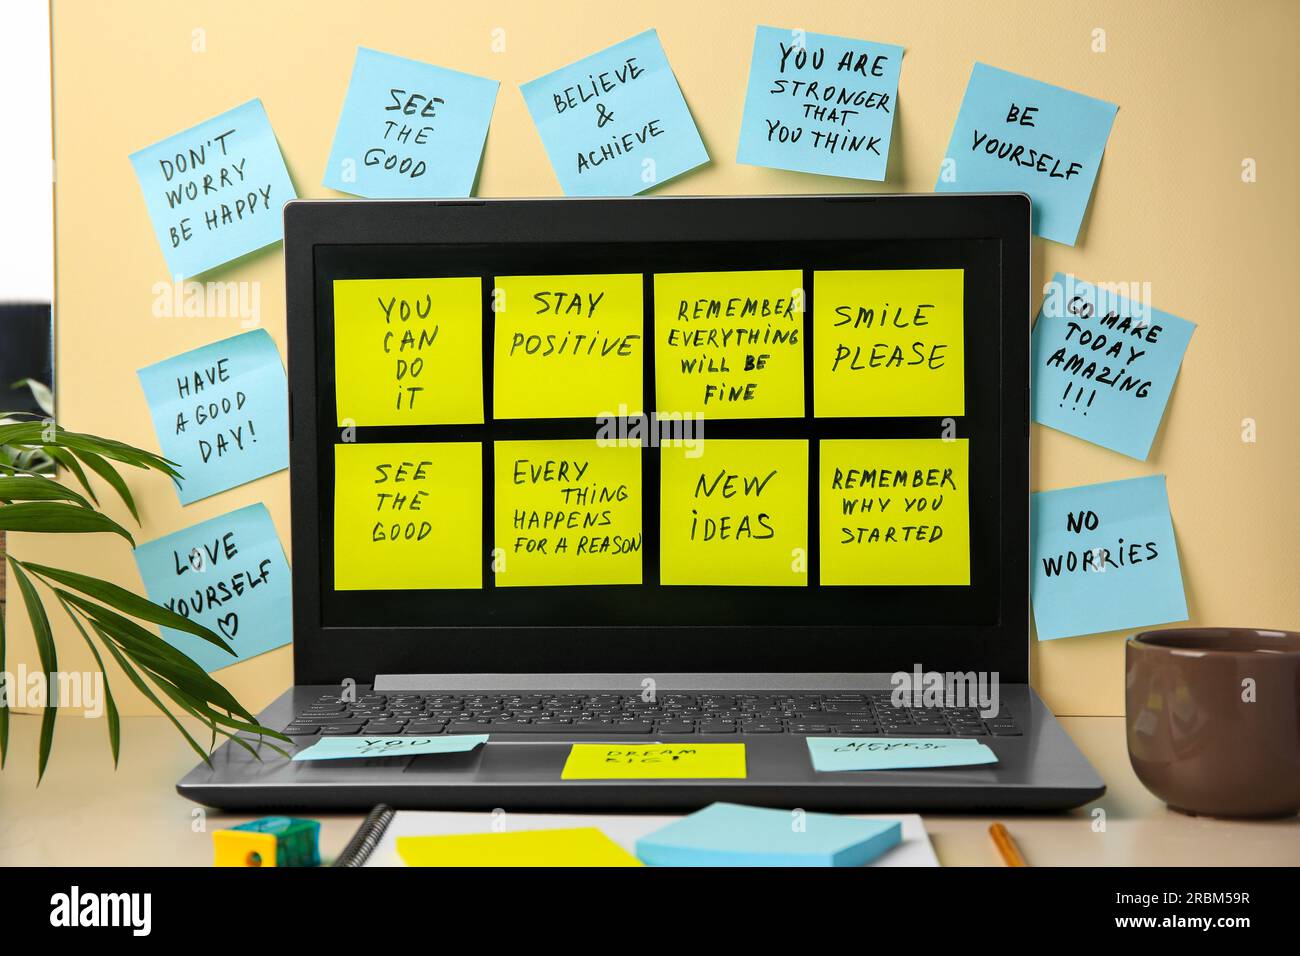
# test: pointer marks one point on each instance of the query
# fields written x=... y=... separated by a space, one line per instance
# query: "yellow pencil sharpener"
x=270 y=841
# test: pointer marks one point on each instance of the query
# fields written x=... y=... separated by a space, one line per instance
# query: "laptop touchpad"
x=493 y=759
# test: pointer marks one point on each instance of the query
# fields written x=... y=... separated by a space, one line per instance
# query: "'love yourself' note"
x=896 y=753
x=1104 y=365
x=215 y=191
x=655 y=762
x=228 y=574
x=343 y=748
x=1104 y=558
x=409 y=130
x=820 y=104
x=1014 y=134
x=615 y=123
x=221 y=413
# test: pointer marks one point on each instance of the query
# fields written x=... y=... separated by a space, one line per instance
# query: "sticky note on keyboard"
x=580 y=846
x=655 y=762
x=726 y=834
x=340 y=748
x=896 y=753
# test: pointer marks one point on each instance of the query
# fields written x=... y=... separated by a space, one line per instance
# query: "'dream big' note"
x=615 y=123
x=215 y=191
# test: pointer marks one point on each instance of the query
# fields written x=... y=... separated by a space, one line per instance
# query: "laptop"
x=668 y=471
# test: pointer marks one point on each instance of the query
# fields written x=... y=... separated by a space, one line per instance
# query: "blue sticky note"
x=409 y=129
x=1104 y=365
x=615 y=123
x=1014 y=134
x=818 y=103
x=230 y=575
x=726 y=834
x=215 y=192
x=340 y=748
x=1104 y=558
x=221 y=413
x=896 y=753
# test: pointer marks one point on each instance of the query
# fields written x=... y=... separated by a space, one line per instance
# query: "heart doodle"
x=228 y=625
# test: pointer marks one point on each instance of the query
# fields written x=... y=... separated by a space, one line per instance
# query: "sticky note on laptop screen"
x=408 y=516
x=567 y=513
x=889 y=342
x=655 y=762
x=734 y=512
x=408 y=351
x=725 y=834
x=895 y=511
x=730 y=344
x=568 y=346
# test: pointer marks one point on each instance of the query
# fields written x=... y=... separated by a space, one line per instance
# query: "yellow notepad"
x=581 y=846
x=655 y=762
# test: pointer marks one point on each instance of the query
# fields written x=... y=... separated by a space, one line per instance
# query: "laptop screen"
x=659 y=439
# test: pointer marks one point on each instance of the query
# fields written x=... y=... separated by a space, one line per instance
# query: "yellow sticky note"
x=408 y=516
x=567 y=512
x=889 y=342
x=579 y=846
x=895 y=511
x=408 y=351
x=729 y=344
x=568 y=346
x=655 y=762
x=735 y=514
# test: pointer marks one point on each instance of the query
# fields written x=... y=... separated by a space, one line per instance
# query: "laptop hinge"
x=630 y=683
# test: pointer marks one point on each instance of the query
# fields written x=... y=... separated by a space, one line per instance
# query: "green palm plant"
x=33 y=502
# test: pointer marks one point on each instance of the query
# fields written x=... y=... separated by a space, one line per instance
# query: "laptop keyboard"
x=870 y=713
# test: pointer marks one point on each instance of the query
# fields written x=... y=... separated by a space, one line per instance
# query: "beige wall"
x=1200 y=85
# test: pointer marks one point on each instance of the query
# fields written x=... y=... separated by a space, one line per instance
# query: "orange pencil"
x=1006 y=846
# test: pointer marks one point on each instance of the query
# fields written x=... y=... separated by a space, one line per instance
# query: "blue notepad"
x=726 y=834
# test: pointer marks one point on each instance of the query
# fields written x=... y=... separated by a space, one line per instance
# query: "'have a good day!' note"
x=615 y=123
x=567 y=346
x=1104 y=365
x=215 y=191
x=1014 y=134
x=567 y=512
x=221 y=413
x=228 y=574
x=895 y=511
x=1104 y=558
x=737 y=514
x=408 y=351
x=655 y=762
x=889 y=342
x=820 y=104
x=409 y=129
x=408 y=516
x=729 y=344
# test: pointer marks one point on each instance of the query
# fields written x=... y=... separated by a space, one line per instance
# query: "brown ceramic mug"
x=1213 y=719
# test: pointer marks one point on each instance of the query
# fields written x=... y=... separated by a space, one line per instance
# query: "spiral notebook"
x=375 y=843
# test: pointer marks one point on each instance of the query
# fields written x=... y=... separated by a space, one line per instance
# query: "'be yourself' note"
x=889 y=342
x=567 y=513
x=896 y=753
x=1104 y=365
x=215 y=191
x=408 y=351
x=820 y=104
x=344 y=748
x=895 y=511
x=1104 y=558
x=655 y=762
x=228 y=574
x=615 y=123
x=1014 y=134
x=221 y=413
x=729 y=344
x=409 y=130
x=408 y=516
x=568 y=346
x=736 y=514
x=576 y=846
